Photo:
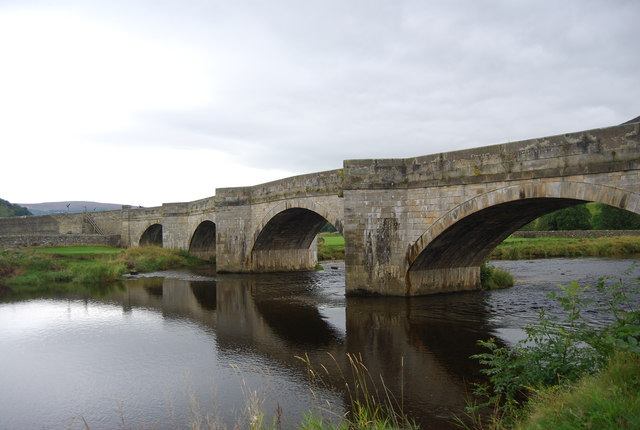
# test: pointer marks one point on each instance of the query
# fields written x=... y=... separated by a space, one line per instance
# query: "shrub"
x=556 y=352
x=492 y=278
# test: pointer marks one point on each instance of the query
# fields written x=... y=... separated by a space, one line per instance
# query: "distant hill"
x=10 y=209
x=59 y=207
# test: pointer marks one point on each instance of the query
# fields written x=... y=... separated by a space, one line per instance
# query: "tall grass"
x=609 y=400
x=548 y=247
x=370 y=407
x=492 y=278
x=26 y=269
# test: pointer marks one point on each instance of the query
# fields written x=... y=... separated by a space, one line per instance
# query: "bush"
x=492 y=278
x=571 y=218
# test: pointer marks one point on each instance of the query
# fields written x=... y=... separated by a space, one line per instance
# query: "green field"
x=554 y=247
x=334 y=241
x=78 y=250
x=331 y=247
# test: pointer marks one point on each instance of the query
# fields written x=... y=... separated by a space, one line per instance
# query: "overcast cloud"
x=157 y=101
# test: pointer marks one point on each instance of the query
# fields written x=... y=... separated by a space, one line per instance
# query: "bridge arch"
x=284 y=237
x=457 y=243
x=152 y=236
x=335 y=218
x=203 y=240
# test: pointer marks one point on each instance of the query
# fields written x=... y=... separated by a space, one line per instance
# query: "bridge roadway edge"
x=412 y=226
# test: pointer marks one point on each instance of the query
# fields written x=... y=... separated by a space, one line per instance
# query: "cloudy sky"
x=151 y=101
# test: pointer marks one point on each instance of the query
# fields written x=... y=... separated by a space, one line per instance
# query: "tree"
x=7 y=209
x=612 y=218
x=571 y=218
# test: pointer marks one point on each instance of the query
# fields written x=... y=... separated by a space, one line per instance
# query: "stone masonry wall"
x=593 y=151
x=392 y=205
x=27 y=241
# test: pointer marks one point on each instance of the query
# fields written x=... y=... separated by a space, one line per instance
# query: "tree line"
x=587 y=216
x=9 y=209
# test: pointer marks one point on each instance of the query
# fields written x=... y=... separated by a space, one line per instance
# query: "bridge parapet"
x=313 y=184
x=424 y=225
x=592 y=151
x=202 y=206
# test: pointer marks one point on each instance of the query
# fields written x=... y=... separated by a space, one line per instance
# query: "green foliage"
x=571 y=218
x=596 y=216
x=609 y=400
x=153 y=258
x=330 y=246
x=553 y=247
x=97 y=271
x=557 y=352
x=40 y=268
x=8 y=209
x=492 y=278
x=612 y=218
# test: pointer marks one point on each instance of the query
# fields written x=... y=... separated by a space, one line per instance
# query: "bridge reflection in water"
x=420 y=346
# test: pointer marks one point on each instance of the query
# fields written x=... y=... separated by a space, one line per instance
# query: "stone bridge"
x=412 y=226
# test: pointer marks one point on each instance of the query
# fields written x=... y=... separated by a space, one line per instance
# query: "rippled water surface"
x=171 y=351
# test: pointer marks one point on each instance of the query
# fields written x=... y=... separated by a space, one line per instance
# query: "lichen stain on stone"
x=384 y=236
x=369 y=252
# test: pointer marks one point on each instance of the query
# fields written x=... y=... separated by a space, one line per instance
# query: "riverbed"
x=173 y=349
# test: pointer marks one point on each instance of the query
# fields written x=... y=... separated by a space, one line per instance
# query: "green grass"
x=609 y=400
x=330 y=246
x=493 y=278
x=554 y=247
x=42 y=268
x=333 y=241
x=78 y=250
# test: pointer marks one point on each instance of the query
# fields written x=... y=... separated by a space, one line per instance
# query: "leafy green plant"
x=559 y=351
x=492 y=278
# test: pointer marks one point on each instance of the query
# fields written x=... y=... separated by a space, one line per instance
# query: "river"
x=188 y=348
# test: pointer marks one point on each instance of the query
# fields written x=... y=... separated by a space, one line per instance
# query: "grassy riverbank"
x=39 y=268
x=331 y=247
x=567 y=373
x=608 y=400
x=560 y=247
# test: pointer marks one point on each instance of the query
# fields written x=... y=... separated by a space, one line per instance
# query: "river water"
x=192 y=348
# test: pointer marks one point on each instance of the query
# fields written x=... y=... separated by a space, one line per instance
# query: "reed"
x=371 y=404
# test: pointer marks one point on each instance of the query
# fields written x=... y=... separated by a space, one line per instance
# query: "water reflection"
x=150 y=341
x=412 y=343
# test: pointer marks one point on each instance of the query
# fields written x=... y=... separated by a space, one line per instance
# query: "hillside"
x=8 y=209
x=74 y=206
